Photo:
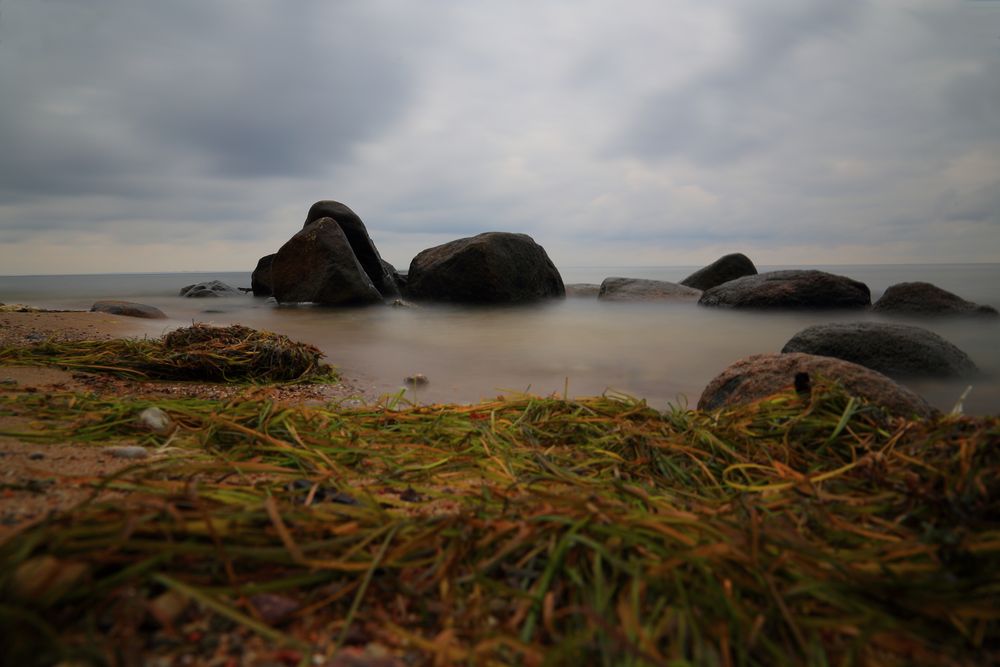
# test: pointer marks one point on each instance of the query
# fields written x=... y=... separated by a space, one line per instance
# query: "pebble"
x=156 y=420
x=417 y=380
x=36 y=456
x=129 y=452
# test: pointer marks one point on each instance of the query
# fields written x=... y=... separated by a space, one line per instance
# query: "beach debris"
x=416 y=380
x=156 y=420
x=200 y=352
x=128 y=452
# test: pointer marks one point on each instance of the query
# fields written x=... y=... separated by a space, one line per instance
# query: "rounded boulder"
x=490 y=268
x=896 y=350
x=795 y=289
x=759 y=376
x=128 y=309
x=919 y=298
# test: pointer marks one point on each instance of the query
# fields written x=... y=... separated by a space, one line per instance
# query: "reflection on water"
x=665 y=353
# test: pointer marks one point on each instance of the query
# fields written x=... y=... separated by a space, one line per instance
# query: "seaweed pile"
x=200 y=352
x=796 y=531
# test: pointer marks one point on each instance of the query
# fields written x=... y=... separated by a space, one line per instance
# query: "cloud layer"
x=195 y=135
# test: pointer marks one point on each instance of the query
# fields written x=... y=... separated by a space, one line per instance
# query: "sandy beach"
x=38 y=479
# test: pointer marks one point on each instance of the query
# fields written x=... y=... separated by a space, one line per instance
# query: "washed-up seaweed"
x=200 y=352
x=796 y=531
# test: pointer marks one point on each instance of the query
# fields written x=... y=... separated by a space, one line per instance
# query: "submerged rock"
x=794 y=289
x=919 y=298
x=583 y=290
x=638 y=289
x=212 y=288
x=128 y=309
x=895 y=350
x=762 y=375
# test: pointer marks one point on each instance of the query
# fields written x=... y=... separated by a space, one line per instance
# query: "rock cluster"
x=333 y=261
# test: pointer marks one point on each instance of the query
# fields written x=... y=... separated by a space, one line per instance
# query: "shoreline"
x=106 y=515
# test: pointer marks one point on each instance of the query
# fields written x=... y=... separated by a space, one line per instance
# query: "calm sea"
x=665 y=353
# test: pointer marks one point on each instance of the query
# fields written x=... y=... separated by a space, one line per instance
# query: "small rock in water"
x=156 y=420
x=417 y=380
x=129 y=452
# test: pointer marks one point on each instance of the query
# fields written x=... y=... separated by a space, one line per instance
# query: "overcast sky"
x=143 y=135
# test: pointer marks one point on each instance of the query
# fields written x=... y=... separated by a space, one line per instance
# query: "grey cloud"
x=120 y=98
x=742 y=107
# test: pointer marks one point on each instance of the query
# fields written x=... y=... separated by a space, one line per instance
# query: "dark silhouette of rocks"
x=318 y=265
x=722 y=270
x=491 y=268
x=260 y=279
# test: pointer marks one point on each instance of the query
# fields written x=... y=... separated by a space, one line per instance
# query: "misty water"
x=663 y=352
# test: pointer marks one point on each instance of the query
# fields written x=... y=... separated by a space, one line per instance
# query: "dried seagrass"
x=200 y=352
x=795 y=531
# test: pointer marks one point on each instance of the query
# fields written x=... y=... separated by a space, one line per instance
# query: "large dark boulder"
x=789 y=290
x=918 y=298
x=260 y=279
x=638 y=289
x=211 y=288
x=762 y=375
x=127 y=309
x=495 y=267
x=362 y=245
x=722 y=270
x=896 y=350
x=319 y=265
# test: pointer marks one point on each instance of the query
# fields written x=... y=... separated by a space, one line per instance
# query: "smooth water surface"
x=663 y=352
